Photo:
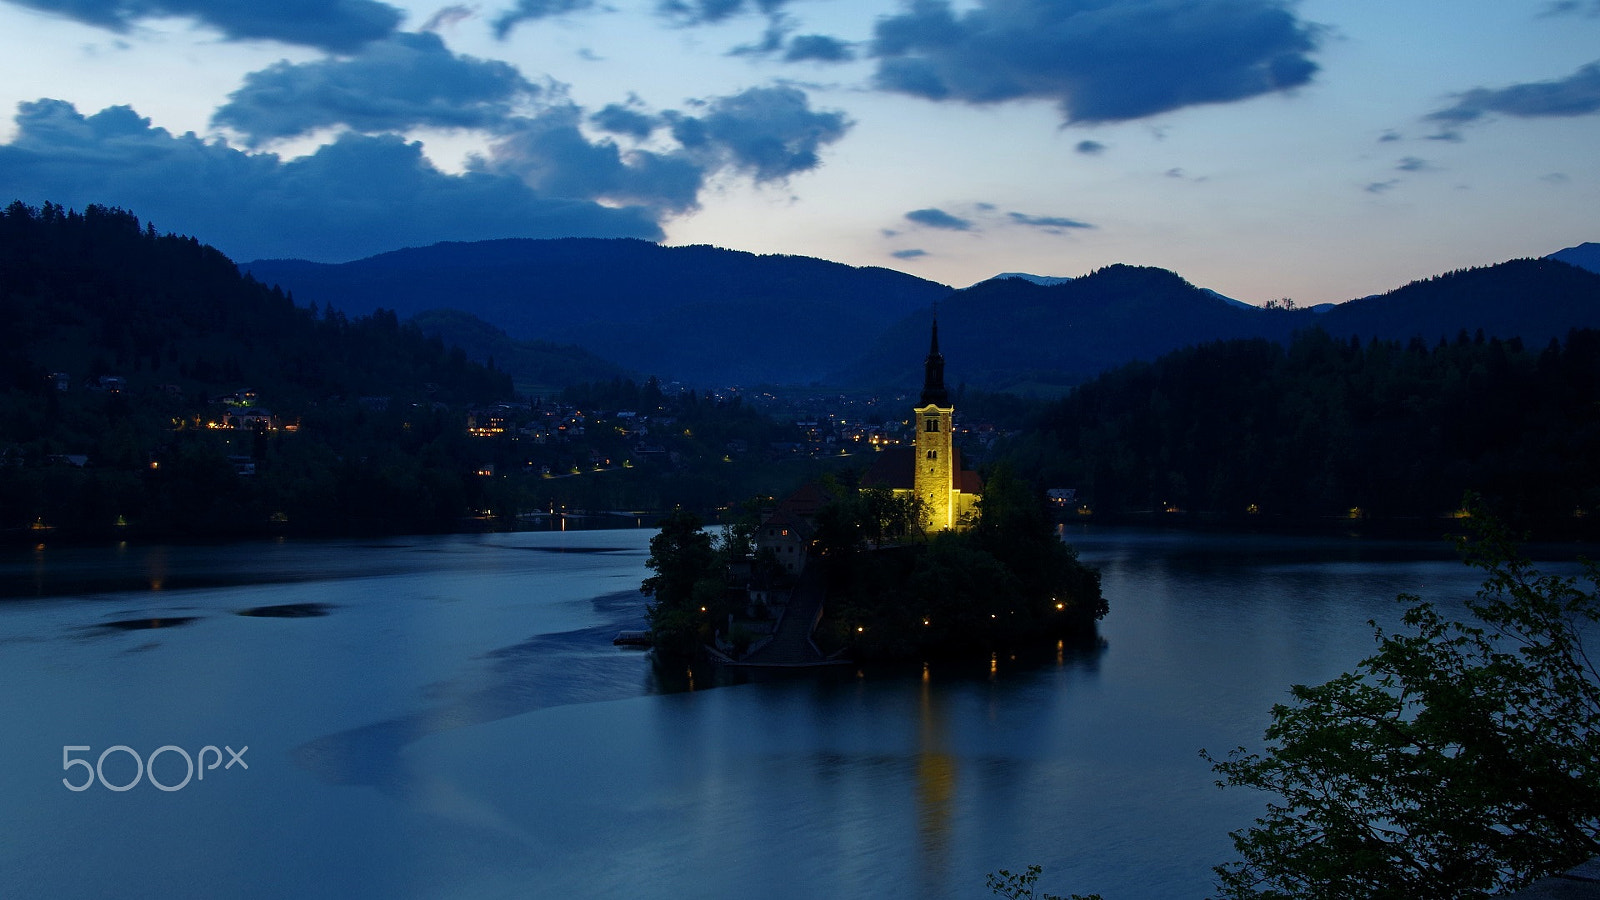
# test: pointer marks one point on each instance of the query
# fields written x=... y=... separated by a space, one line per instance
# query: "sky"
x=1319 y=151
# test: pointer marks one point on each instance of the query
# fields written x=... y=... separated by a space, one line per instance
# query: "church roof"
x=967 y=481
x=799 y=509
x=895 y=468
x=934 y=392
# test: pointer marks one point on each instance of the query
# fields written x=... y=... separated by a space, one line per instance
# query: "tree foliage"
x=1008 y=581
x=1460 y=759
x=686 y=567
x=1024 y=886
x=1321 y=426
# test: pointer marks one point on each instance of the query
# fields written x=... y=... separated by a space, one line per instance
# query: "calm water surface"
x=446 y=717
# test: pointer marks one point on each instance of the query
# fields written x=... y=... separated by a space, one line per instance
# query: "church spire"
x=933 y=389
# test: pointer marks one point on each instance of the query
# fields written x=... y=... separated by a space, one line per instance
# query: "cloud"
x=405 y=81
x=1389 y=137
x=1576 y=95
x=1090 y=148
x=1569 y=7
x=1053 y=224
x=333 y=25
x=1414 y=164
x=909 y=254
x=818 y=48
x=533 y=10
x=768 y=133
x=1379 y=187
x=804 y=48
x=355 y=197
x=710 y=12
x=625 y=119
x=1097 y=60
x=550 y=153
x=938 y=218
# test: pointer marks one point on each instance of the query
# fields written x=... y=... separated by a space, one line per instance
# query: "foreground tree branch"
x=1459 y=760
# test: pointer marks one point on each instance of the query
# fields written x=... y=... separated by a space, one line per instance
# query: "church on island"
x=929 y=470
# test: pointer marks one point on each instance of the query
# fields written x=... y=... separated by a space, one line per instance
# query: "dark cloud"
x=1576 y=95
x=358 y=196
x=909 y=254
x=1555 y=178
x=1389 y=137
x=1090 y=148
x=1413 y=164
x=335 y=25
x=619 y=118
x=1569 y=7
x=1379 y=187
x=938 y=218
x=550 y=153
x=533 y=10
x=772 y=39
x=1098 y=60
x=407 y=80
x=709 y=12
x=1048 y=223
x=768 y=133
x=818 y=48
x=804 y=48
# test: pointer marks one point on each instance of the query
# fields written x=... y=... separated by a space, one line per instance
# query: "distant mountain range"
x=709 y=316
x=1584 y=256
x=1017 y=335
x=699 y=314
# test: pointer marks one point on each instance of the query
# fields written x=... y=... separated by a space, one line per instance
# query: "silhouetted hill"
x=149 y=389
x=697 y=313
x=1013 y=334
x=1533 y=299
x=534 y=366
x=94 y=294
x=1584 y=256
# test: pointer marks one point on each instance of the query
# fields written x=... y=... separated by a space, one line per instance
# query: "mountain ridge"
x=641 y=305
x=709 y=316
x=1014 y=334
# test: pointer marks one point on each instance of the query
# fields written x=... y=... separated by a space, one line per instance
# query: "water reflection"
x=936 y=789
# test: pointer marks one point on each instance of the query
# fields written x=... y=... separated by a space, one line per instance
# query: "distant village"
x=552 y=437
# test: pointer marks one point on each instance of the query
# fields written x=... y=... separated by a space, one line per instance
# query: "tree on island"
x=1459 y=760
x=1007 y=580
x=687 y=583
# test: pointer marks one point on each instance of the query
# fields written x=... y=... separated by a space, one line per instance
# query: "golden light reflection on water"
x=936 y=787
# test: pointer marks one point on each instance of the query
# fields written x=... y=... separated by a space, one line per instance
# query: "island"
x=914 y=558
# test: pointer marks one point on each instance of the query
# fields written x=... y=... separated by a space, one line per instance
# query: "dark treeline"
x=1324 y=427
x=119 y=345
x=93 y=294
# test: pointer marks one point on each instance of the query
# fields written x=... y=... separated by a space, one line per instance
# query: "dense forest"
x=1382 y=430
x=143 y=377
x=147 y=388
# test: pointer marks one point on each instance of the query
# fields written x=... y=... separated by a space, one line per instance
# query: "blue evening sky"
x=1319 y=150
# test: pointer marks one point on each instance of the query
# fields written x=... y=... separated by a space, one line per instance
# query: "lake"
x=446 y=717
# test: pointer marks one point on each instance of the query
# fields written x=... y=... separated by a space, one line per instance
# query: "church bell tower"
x=934 y=481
